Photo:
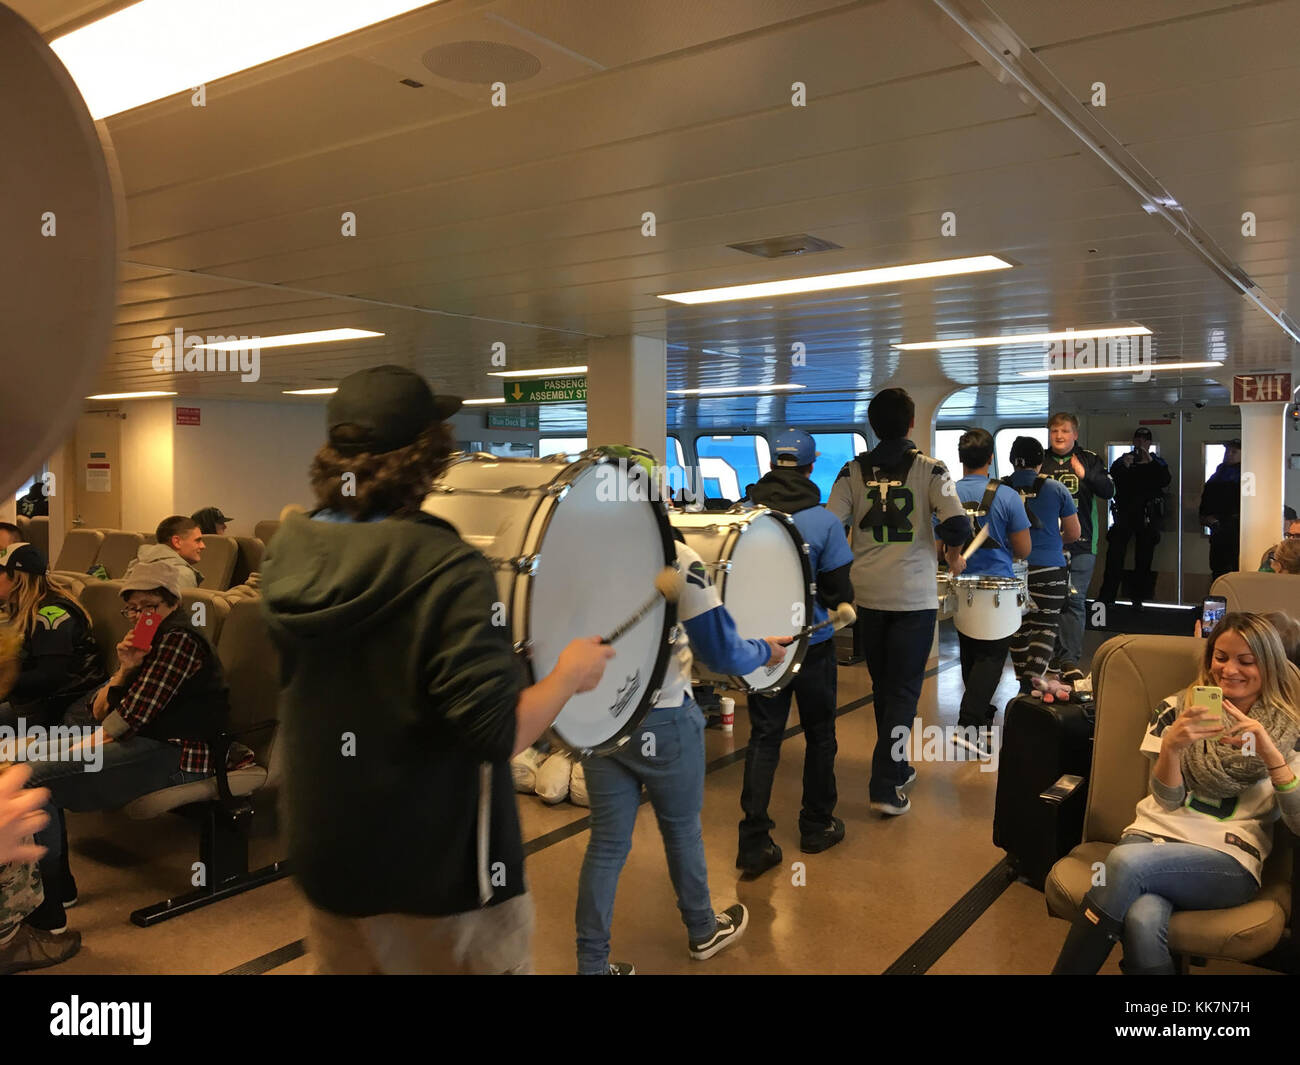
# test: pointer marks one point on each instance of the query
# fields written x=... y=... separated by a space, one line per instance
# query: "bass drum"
x=758 y=562
x=575 y=547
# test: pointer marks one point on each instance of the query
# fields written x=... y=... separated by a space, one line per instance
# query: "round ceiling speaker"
x=481 y=62
x=59 y=252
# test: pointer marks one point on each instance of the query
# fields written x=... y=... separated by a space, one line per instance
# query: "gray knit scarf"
x=1216 y=770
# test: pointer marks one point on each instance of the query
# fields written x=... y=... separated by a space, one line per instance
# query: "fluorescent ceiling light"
x=728 y=390
x=550 y=371
x=1028 y=338
x=155 y=48
x=883 y=275
x=310 y=391
x=130 y=395
x=1136 y=367
x=321 y=336
x=479 y=402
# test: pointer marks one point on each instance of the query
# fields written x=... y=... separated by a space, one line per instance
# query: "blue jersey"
x=1052 y=503
x=1006 y=516
x=828 y=549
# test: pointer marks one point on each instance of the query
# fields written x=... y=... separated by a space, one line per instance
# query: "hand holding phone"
x=1207 y=700
x=1213 y=607
x=146 y=627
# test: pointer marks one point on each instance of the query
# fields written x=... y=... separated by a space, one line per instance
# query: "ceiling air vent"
x=783 y=247
x=481 y=62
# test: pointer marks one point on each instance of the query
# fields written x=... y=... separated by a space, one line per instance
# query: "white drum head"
x=599 y=556
x=766 y=591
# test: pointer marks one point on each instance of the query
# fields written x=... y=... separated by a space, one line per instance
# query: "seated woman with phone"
x=157 y=715
x=1225 y=769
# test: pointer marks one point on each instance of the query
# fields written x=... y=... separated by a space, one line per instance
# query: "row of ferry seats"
x=221 y=806
x=35 y=531
x=1260 y=592
x=227 y=560
x=1132 y=675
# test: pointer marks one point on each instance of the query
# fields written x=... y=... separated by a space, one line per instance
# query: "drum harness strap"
x=484 y=831
x=881 y=513
x=1027 y=495
x=982 y=507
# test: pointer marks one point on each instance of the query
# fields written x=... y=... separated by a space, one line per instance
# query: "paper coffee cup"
x=728 y=707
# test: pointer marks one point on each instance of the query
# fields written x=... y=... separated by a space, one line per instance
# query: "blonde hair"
x=1279 y=677
x=1287 y=556
x=30 y=591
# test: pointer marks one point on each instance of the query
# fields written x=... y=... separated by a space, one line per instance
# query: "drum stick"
x=841 y=617
x=668 y=586
x=975 y=544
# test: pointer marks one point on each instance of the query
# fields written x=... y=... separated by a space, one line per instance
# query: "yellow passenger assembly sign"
x=547 y=390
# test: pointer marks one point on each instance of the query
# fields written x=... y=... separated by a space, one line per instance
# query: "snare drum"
x=758 y=562
x=575 y=547
x=947 y=599
x=987 y=608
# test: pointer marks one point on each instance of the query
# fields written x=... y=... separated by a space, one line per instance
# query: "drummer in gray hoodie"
x=402 y=703
x=180 y=546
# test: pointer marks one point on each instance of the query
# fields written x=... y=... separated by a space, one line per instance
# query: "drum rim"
x=801 y=643
x=650 y=694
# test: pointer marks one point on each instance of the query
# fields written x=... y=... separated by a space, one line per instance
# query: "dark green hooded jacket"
x=397 y=717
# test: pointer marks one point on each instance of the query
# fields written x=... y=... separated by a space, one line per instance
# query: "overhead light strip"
x=1134 y=368
x=731 y=390
x=1010 y=339
x=285 y=340
x=156 y=48
x=131 y=395
x=550 y=371
x=882 y=275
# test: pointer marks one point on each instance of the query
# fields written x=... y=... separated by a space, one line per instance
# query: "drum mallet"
x=841 y=617
x=668 y=586
x=975 y=544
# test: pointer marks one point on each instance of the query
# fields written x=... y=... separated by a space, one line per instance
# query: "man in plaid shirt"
x=157 y=716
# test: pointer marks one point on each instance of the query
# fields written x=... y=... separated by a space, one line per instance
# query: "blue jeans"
x=130 y=769
x=666 y=754
x=1146 y=882
x=897 y=645
x=1069 y=637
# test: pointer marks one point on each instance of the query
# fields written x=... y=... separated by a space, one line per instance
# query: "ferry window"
x=1003 y=440
x=945 y=449
x=555 y=445
x=511 y=450
x=730 y=464
x=675 y=461
x=834 y=450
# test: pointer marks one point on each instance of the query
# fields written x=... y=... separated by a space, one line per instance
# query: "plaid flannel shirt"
x=173 y=660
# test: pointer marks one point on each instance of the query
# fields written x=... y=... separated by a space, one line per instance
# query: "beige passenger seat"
x=1132 y=675
x=79 y=551
x=118 y=551
x=218 y=563
x=1260 y=593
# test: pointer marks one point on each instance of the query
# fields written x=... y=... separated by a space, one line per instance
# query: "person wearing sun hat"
x=402 y=703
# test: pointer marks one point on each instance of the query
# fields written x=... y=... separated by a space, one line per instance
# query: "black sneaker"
x=32 y=948
x=975 y=739
x=48 y=917
x=822 y=839
x=69 y=899
x=911 y=777
x=896 y=807
x=759 y=862
x=730 y=926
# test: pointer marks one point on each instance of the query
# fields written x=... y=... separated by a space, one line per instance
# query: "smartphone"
x=1209 y=700
x=1213 y=607
x=146 y=627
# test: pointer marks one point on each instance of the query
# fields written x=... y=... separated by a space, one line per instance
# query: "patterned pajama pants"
x=1031 y=646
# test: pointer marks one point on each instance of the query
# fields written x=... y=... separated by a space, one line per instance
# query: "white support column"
x=1263 y=479
x=626 y=401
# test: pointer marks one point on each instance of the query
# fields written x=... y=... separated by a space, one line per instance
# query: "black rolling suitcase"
x=1038 y=816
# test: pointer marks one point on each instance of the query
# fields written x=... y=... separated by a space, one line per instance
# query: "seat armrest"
x=1064 y=787
x=221 y=750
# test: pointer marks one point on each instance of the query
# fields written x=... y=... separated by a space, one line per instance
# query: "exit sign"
x=547 y=390
x=1262 y=388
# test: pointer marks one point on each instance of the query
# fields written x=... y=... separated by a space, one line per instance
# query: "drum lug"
x=724 y=566
x=523 y=647
x=970 y=596
x=526 y=564
x=557 y=491
x=997 y=598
